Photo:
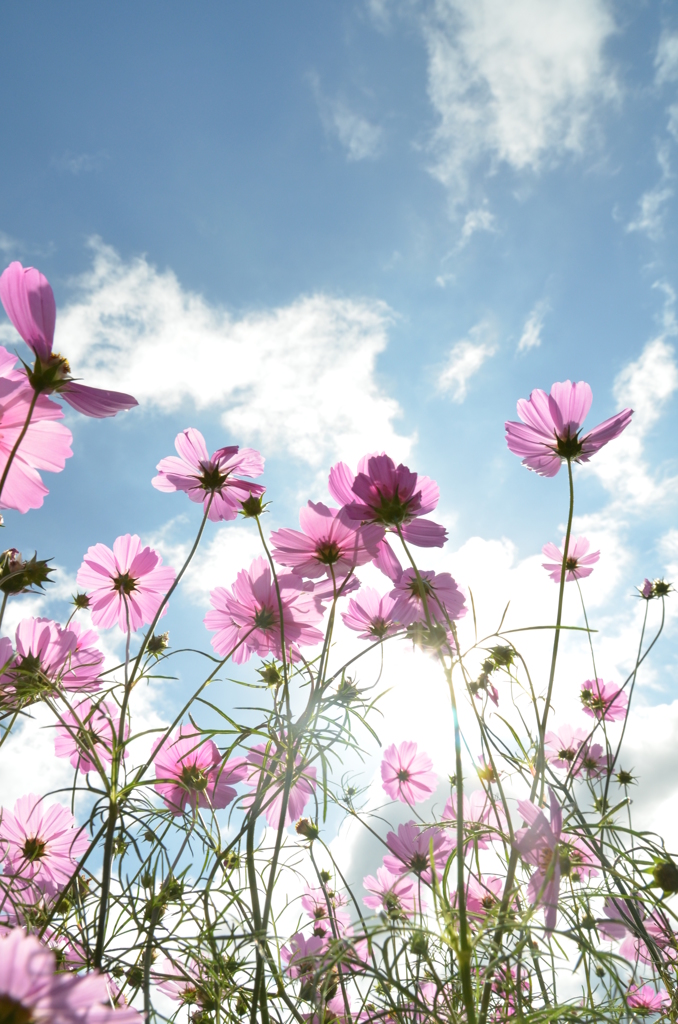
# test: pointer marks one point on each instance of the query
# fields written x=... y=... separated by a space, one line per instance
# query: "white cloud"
x=80 y=163
x=518 y=81
x=652 y=204
x=361 y=138
x=480 y=219
x=666 y=59
x=466 y=358
x=531 y=336
x=646 y=385
x=298 y=379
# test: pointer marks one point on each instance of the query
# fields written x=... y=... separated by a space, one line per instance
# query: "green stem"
x=15 y=449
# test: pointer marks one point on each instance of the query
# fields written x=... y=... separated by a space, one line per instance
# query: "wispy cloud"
x=652 y=204
x=531 y=336
x=79 y=163
x=480 y=219
x=519 y=82
x=361 y=138
x=466 y=358
x=666 y=58
x=300 y=378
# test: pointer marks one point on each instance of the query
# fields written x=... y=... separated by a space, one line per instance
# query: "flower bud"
x=159 y=642
x=305 y=827
x=81 y=600
x=253 y=507
x=665 y=874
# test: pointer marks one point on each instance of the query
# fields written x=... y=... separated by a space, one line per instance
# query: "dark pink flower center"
x=544 y=858
x=419 y=862
x=12 y=1012
x=379 y=627
x=571 y=564
x=419 y=588
x=403 y=775
x=124 y=583
x=488 y=901
x=33 y=849
x=327 y=552
x=594 y=701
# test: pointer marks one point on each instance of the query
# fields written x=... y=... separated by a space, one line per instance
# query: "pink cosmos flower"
x=562 y=748
x=538 y=845
x=31 y=990
x=410 y=850
x=45 y=446
x=126 y=584
x=647 y=1000
x=634 y=946
x=406 y=775
x=249 y=614
x=88 y=733
x=210 y=479
x=29 y=303
x=391 y=497
x=646 y=589
x=551 y=428
x=330 y=542
x=443 y=597
x=40 y=845
x=314 y=903
x=48 y=657
x=578 y=564
x=179 y=983
x=604 y=700
x=482 y=822
x=593 y=760
x=483 y=895
x=303 y=956
x=191 y=771
x=266 y=777
x=371 y=615
x=394 y=895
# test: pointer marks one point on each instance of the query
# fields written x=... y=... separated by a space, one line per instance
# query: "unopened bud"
x=81 y=600
x=253 y=507
x=159 y=642
x=665 y=874
x=305 y=827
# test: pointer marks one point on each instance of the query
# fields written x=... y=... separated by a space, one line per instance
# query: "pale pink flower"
x=551 y=428
x=315 y=904
x=49 y=657
x=304 y=955
x=330 y=542
x=191 y=771
x=88 y=733
x=578 y=564
x=647 y=999
x=538 y=845
x=210 y=480
x=593 y=760
x=371 y=615
x=410 y=850
x=29 y=303
x=562 y=748
x=483 y=823
x=483 y=895
x=394 y=895
x=615 y=923
x=179 y=983
x=125 y=585
x=604 y=700
x=634 y=946
x=646 y=589
x=407 y=775
x=266 y=777
x=40 y=845
x=443 y=597
x=249 y=614
x=32 y=991
x=46 y=445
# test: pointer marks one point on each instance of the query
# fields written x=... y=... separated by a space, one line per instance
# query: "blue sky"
x=325 y=229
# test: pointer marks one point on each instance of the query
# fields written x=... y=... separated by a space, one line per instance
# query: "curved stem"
x=17 y=443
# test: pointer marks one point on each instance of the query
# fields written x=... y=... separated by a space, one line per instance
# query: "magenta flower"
x=331 y=543
x=88 y=733
x=483 y=895
x=210 y=480
x=551 y=428
x=593 y=760
x=578 y=564
x=31 y=990
x=410 y=850
x=49 y=658
x=249 y=615
x=191 y=771
x=406 y=775
x=393 y=895
x=646 y=589
x=29 y=303
x=40 y=845
x=562 y=748
x=538 y=845
x=314 y=903
x=126 y=584
x=46 y=445
x=443 y=598
x=647 y=1000
x=483 y=823
x=604 y=700
x=266 y=777
x=179 y=983
x=371 y=615
x=634 y=947
x=303 y=956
